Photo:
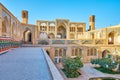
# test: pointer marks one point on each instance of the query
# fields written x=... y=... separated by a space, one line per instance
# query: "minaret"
x=25 y=16
x=92 y=22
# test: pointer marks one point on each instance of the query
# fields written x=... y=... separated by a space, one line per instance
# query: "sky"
x=107 y=12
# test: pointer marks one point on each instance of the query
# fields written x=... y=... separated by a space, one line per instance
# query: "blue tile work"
x=73 y=41
x=58 y=41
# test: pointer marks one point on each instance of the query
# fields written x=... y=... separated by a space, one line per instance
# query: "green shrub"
x=105 y=63
x=95 y=61
x=72 y=66
x=106 y=70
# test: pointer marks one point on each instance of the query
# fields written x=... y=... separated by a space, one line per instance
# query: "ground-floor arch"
x=27 y=36
x=51 y=36
x=106 y=54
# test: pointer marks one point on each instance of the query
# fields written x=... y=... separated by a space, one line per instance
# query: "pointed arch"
x=105 y=53
x=76 y=51
x=51 y=36
x=61 y=31
x=111 y=37
x=64 y=52
x=4 y=26
x=56 y=53
x=118 y=38
x=60 y=52
x=27 y=35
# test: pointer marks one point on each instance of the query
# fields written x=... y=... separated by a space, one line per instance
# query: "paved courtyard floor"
x=89 y=72
x=24 y=64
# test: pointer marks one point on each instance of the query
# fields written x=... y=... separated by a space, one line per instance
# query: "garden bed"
x=73 y=75
x=105 y=70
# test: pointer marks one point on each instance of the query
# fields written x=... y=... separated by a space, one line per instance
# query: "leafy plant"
x=105 y=63
x=72 y=66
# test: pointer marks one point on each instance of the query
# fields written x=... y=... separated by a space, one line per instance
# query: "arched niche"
x=51 y=36
x=61 y=32
x=105 y=53
x=4 y=26
x=111 y=37
x=27 y=36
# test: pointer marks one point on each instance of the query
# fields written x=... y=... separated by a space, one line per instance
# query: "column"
x=106 y=41
x=74 y=51
x=85 y=57
x=68 y=51
x=97 y=54
x=84 y=27
x=55 y=30
x=36 y=38
x=67 y=30
x=33 y=36
x=78 y=52
x=76 y=32
x=62 y=52
x=47 y=27
x=38 y=25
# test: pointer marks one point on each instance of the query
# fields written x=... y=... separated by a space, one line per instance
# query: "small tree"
x=71 y=66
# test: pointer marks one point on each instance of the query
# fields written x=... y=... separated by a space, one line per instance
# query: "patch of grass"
x=105 y=70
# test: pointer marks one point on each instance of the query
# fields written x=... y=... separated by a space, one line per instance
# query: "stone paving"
x=89 y=72
x=24 y=64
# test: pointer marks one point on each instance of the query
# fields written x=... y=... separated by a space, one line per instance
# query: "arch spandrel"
x=27 y=27
x=59 y=22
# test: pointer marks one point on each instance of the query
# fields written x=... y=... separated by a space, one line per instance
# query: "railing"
x=79 y=41
x=63 y=41
x=7 y=43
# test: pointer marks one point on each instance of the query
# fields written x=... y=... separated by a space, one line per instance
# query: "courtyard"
x=28 y=63
x=37 y=42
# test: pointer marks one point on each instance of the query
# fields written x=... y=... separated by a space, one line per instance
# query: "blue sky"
x=107 y=12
